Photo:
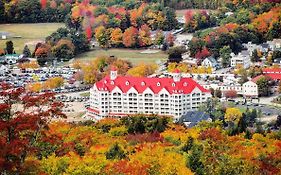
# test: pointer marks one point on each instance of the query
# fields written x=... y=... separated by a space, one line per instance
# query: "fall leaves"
x=92 y=71
x=119 y=27
x=50 y=83
x=93 y=149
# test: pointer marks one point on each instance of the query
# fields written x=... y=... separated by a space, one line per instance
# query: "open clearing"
x=181 y=13
x=133 y=55
x=29 y=34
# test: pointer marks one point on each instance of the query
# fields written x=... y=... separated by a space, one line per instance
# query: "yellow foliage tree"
x=35 y=87
x=29 y=65
x=142 y=70
x=233 y=115
x=116 y=37
x=54 y=82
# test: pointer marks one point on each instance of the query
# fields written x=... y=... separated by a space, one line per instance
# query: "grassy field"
x=135 y=56
x=30 y=34
x=181 y=13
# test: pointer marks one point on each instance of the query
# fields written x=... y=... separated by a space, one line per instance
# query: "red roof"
x=257 y=78
x=273 y=73
x=272 y=70
x=184 y=86
x=93 y=110
x=274 y=76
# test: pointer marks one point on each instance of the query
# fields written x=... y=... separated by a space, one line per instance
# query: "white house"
x=117 y=96
x=274 y=44
x=250 y=89
x=11 y=58
x=210 y=62
x=3 y=70
x=243 y=59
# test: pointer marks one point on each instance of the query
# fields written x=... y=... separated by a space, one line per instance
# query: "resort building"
x=117 y=96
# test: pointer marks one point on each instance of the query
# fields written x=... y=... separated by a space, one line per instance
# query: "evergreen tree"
x=225 y=55
x=218 y=93
x=255 y=57
x=194 y=161
x=26 y=52
x=188 y=145
x=115 y=152
x=248 y=135
x=263 y=86
x=9 y=47
x=242 y=124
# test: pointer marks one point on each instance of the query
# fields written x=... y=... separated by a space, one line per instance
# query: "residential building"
x=117 y=96
x=274 y=44
x=192 y=118
x=224 y=87
x=3 y=69
x=250 y=89
x=242 y=59
x=210 y=62
x=10 y=58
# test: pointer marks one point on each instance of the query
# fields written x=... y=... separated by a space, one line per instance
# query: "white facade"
x=250 y=89
x=210 y=62
x=225 y=87
x=115 y=102
x=3 y=69
x=243 y=59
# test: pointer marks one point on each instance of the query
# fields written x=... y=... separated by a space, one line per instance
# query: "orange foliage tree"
x=130 y=37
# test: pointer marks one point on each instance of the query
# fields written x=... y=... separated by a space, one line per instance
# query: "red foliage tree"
x=23 y=116
x=204 y=53
x=43 y=4
x=230 y=94
x=170 y=39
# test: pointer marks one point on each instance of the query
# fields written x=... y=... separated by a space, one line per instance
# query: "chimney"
x=113 y=73
x=176 y=75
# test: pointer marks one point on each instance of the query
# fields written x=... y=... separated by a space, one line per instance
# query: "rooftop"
x=125 y=83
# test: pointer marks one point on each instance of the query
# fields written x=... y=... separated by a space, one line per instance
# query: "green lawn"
x=135 y=56
x=30 y=34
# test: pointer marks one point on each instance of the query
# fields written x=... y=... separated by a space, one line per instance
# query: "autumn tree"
x=54 y=82
x=21 y=127
x=34 y=87
x=130 y=37
x=233 y=115
x=2 y=52
x=144 y=36
x=159 y=38
x=64 y=50
x=102 y=36
x=116 y=37
x=142 y=70
x=170 y=39
x=42 y=53
x=230 y=94
x=29 y=65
